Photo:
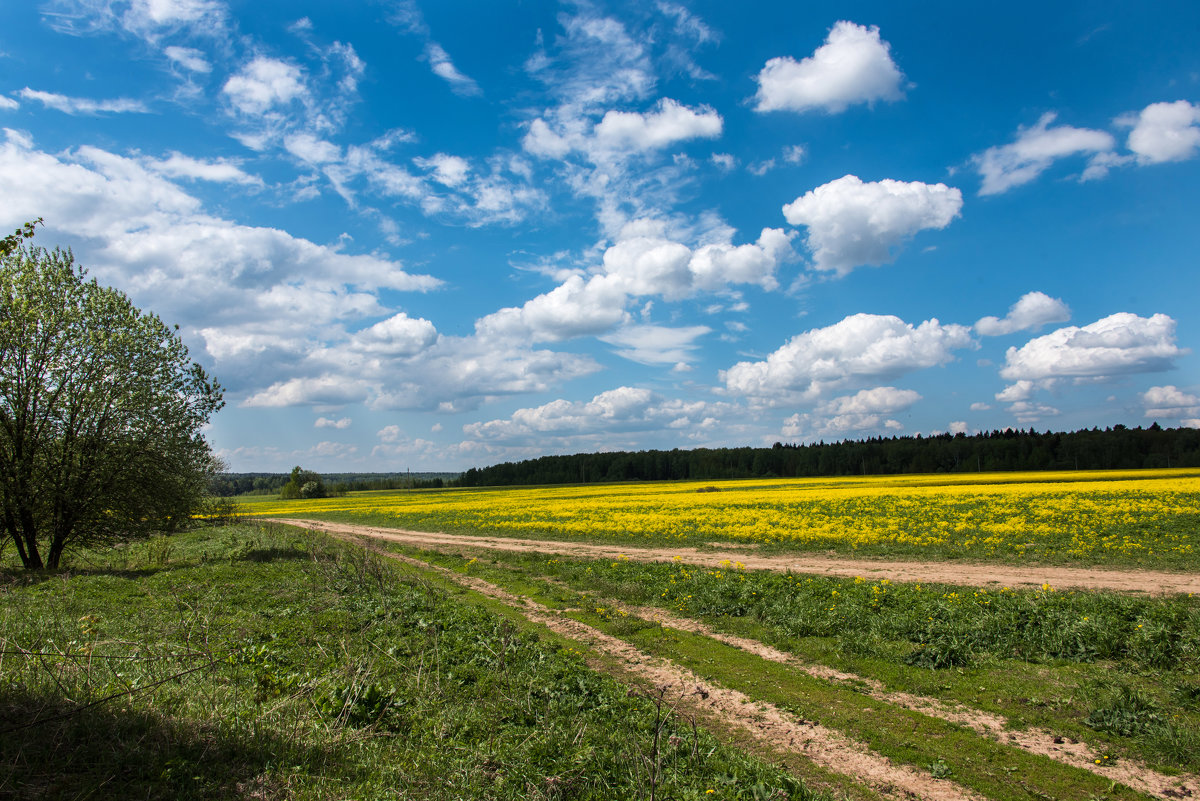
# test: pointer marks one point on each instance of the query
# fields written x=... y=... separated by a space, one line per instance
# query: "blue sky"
x=431 y=236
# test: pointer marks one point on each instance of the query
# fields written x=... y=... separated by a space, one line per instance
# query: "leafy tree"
x=100 y=411
x=303 y=484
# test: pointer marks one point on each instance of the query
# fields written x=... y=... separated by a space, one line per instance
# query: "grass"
x=261 y=662
x=1074 y=662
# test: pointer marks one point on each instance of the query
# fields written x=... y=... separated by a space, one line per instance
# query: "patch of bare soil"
x=974 y=575
x=766 y=723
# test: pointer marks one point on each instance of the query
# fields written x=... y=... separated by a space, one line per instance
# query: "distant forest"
x=228 y=484
x=1118 y=447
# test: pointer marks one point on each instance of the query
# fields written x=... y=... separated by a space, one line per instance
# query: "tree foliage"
x=303 y=484
x=100 y=411
x=1117 y=447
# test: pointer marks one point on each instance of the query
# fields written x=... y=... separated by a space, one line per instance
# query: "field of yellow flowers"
x=1127 y=517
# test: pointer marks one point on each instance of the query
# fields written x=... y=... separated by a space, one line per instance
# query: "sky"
x=428 y=236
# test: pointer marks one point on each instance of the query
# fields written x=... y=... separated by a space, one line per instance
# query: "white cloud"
x=457 y=374
x=979 y=406
x=1171 y=403
x=879 y=400
x=1166 y=132
x=451 y=171
x=265 y=83
x=958 y=427
x=398 y=335
x=656 y=344
x=331 y=450
x=577 y=307
x=84 y=105
x=189 y=58
x=610 y=413
x=325 y=390
x=851 y=223
x=1031 y=412
x=325 y=422
x=1034 y=150
x=857 y=349
x=1032 y=311
x=443 y=67
x=256 y=295
x=853 y=66
x=868 y=410
x=148 y=17
x=8 y=104
x=795 y=154
x=178 y=165
x=312 y=149
x=1120 y=344
x=725 y=161
x=670 y=123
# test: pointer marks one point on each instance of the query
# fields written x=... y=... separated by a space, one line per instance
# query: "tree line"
x=230 y=484
x=1117 y=447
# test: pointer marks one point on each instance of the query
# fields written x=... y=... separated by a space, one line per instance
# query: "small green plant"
x=1127 y=712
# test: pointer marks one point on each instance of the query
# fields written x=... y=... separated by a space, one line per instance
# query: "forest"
x=1117 y=447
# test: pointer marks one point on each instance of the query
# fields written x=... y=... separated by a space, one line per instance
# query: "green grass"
x=1017 y=654
x=263 y=662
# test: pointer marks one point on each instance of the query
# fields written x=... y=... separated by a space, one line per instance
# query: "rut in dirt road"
x=968 y=574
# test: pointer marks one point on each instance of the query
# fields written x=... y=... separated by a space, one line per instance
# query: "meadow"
x=265 y=662
x=1144 y=518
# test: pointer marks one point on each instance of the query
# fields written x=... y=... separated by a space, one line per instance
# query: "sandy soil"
x=969 y=574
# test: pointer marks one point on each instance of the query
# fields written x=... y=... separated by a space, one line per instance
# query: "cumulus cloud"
x=263 y=84
x=326 y=422
x=577 y=307
x=8 y=104
x=852 y=223
x=671 y=122
x=1171 y=403
x=83 y=105
x=1031 y=411
x=398 y=335
x=259 y=297
x=1033 y=310
x=853 y=66
x=860 y=348
x=1165 y=132
x=616 y=411
x=866 y=410
x=1120 y=344
x=1034 y=150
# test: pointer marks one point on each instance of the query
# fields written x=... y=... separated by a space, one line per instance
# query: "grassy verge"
x=1029 y=656
x=260 y=662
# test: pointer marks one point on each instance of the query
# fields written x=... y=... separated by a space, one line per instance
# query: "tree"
x=100 y=411
x=303 y=484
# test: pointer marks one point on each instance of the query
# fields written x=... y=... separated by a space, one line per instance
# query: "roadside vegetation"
x=1120 y=673
x=265 y=662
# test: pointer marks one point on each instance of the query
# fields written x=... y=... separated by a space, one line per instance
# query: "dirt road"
x=969 y=574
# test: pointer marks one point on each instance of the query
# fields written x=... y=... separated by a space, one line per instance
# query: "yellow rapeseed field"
x=1127 y=515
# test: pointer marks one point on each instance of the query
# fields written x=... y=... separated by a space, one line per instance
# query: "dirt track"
x=969 y=574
